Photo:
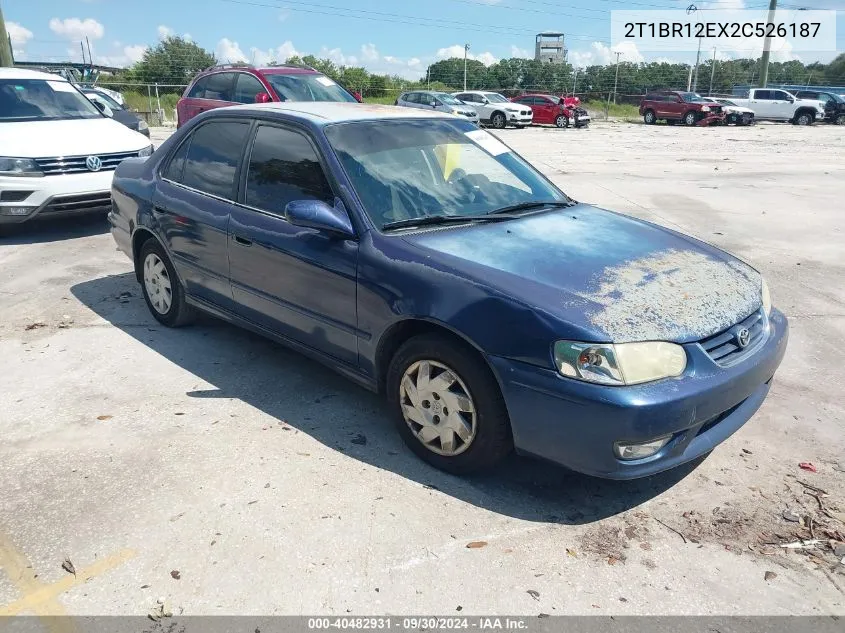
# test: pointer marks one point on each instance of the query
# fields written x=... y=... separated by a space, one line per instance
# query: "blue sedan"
x=426 y=260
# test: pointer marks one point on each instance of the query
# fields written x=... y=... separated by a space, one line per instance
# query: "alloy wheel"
x=438 y=407
x=157 y=284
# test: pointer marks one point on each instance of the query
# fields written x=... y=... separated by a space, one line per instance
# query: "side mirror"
x=485 y=100
x=262 y=97
x=433 y=104
x=316 y=214
x=791 y=100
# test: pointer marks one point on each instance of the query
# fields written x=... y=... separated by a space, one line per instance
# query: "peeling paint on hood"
x=612 y=277
x=673 y=294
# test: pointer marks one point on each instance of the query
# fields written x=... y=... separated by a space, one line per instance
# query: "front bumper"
x=575 y=424
x=53 y=196
x=515 y=118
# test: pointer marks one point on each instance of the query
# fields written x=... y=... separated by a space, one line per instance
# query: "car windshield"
x=447 y=98
x=495 y=97
x=43 y=100
x=691 y=97
x=307 y=87
x=404 y=169
x=102 y=96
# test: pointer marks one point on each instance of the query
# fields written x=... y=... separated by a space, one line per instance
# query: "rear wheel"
x=162 y=290
x=498 y=120
x=690 y=118
x=561 y=121
x=649 y=117
x=447 y=405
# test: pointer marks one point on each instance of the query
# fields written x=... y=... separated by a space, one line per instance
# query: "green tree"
x=354 y=78
x=174 y=60
x=377 y=86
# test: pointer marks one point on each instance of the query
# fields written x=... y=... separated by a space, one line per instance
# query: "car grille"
x=716 y=109
x=80 y=203
x=724 y=348
x=525 y=112
x=76 y=164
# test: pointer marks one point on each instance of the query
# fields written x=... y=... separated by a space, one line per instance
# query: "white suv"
x=496 y=110
x=58 y=151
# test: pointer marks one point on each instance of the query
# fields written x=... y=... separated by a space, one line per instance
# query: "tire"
x=803 y=118
x=650 y=118
x=839 y=120
x=487 y=431
x=155 y=267
x=561 y=121
x=498 y=121
x=690 y=119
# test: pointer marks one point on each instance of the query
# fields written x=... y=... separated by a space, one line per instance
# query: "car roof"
x=22 y=73
x=323 y=113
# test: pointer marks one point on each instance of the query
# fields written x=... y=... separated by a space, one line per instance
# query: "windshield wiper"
x=432 y=220
x=536 y=204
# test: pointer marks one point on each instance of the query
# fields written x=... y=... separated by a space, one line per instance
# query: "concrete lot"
x=269 y=485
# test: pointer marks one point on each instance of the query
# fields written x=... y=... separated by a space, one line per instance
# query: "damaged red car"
x=687 y=107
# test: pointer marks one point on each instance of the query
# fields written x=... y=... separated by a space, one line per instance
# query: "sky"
x=384 y=36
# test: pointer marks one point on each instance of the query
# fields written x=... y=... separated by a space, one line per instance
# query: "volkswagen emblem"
x=743 y=337
x=93 y=163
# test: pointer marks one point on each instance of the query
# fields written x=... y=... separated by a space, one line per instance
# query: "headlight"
x=767 y=298
x=142 y=125
x=147 y=151
x=619 y=364
x=705 y=108
x=19 y=167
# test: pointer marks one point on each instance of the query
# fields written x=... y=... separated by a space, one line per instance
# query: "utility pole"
x=575 y=82
x=697 y=59
x=689 y=79
x=712 y=72
x=767 y=46
x=615 y=83
x=5 y=44
x=466 y=51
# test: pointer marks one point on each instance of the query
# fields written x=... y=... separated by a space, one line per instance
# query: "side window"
x=824 y=98
x=412 y=97
x=198 y=89
x=212 y=159
x=763 y=95
x=219 y=86
x=284 y=167
x=779 y=95
x=176 y=167
x=466 y=98
x=246 y=87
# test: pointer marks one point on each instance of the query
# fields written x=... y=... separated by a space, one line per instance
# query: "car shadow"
x=53 y=230
x=313 y=399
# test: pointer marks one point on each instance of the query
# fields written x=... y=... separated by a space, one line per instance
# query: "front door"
x=298 y=282
x=192 y=205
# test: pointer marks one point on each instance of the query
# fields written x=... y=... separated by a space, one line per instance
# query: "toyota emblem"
x=93 y=163
x=743 y=337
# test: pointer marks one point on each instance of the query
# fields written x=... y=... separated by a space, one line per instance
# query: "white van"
x=58 y=151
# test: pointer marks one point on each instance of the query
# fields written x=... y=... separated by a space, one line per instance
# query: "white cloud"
x=283 y=15
x=456 y=50
x=75 y=29
x=231 y=52
x=369 y=52
x=516 y=51
x=600 y=54
x=337 y=56
x=134 y=53
x=19 y=34
x=414 y=62
x=164 y=32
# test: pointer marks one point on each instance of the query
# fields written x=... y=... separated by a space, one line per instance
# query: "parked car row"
x=761 y=104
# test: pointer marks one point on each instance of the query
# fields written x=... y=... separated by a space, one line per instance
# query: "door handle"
x=242 y=240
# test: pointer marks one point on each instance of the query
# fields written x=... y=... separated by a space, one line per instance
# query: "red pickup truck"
x=688 y=107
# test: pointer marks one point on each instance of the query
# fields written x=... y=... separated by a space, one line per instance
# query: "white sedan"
x=738 y=115
x=496 y=110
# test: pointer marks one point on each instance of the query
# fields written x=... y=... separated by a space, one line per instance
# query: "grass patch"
x=618 y=110
x=386 y=100
x=141 y=102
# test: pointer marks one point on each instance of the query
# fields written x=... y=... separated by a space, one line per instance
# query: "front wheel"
x=561 y=121
x=162 y=290
x=498 y=121
x=803 y=119
x=689 y=119
x=447 y=405
x=839 y=120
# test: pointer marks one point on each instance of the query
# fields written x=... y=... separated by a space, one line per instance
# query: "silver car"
x=440 y=101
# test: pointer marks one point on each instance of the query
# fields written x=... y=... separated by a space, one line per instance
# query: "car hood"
x=614 y=278
x=127 y=118
x=728 y=108
x=76 y=137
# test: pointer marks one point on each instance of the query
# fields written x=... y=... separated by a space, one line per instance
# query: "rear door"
x=219 y=91
x=193 y=202
x=761 y=101
x=297 y=282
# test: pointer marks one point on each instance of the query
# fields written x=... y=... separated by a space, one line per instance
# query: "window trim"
x=327 y=173
x=238 y=75
x=189 y=137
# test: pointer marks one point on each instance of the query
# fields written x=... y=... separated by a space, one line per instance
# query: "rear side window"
x=219 y=86
x=176 y=166
x=283 y=167
x=765 y=95
x=198 y=89
x=246 y=87
x=211 y=163
x=412 y=97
